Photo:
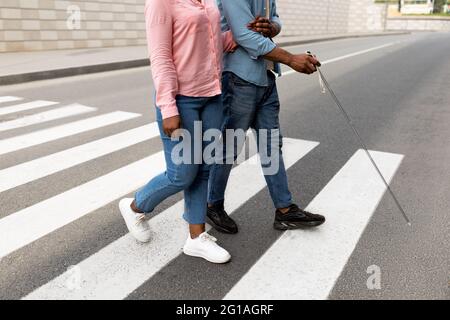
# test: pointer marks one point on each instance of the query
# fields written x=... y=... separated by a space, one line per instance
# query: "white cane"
x=325 y=85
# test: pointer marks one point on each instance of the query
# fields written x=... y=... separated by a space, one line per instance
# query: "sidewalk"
x=19 y=67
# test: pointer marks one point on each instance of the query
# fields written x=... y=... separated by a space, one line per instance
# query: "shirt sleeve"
x=228 y=41
x=275 y=17
x=158 y=20
x=238 y=14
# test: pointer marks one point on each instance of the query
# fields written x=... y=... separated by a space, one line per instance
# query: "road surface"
x=71 y=148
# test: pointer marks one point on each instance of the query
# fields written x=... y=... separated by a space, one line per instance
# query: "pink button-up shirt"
x=186 y=45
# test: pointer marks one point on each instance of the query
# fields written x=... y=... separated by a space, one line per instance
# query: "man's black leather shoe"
x=296 y=218
x=220 y=220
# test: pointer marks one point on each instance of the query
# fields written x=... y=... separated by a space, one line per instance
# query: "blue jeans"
x=190 y=177
x=249 y=106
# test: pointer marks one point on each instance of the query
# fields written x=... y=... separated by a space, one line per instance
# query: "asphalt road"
x=396 y=89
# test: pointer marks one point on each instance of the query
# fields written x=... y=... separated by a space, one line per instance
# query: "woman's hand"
x=229 y=45
x=170 y=125
x=233 y=47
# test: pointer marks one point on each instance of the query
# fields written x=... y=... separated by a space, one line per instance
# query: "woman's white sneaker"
x=136 y=222
x=205 y=247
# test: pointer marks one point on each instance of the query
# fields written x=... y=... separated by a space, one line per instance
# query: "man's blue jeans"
x=189 y=177
x=249 y=106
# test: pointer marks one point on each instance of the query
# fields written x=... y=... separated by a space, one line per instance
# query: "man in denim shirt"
x=251 y=101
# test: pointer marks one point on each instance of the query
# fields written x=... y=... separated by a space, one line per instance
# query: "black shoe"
x=220 y=220
x=296 y=218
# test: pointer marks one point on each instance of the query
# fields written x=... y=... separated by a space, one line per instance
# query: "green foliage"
x=438 y=4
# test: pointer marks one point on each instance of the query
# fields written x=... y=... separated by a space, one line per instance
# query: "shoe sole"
x=283 y=226
x=220 y=228
x=197 y=255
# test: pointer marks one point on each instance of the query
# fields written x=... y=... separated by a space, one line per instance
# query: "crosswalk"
x=60 y=113
x=352 y=196
x=32 y=170
x=25 y=106
x=122 y=266
x=9 y=99
x=51 y=134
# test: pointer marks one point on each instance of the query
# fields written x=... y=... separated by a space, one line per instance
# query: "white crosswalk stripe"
x=35 y=169
x=39 y=220
x=122 y=266
x=51 y=134
x=26 y=106
x=104 y=272
x=60 y=113
x=5 y=99
x=305 y=265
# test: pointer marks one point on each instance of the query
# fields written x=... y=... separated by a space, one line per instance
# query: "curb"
x=75 y=71
x=68 y=72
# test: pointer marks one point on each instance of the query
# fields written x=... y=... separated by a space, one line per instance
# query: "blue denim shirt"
x=247 y=61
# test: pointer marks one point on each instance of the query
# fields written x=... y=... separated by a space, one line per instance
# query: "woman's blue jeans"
x=190 y=176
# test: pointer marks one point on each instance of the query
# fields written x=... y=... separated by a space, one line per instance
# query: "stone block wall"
x=28 y=25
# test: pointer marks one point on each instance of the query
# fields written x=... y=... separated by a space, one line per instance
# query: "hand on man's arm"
x=266 y=27
x=303 y=63
x=238 y=14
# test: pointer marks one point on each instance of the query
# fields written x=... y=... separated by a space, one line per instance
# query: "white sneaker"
x=136 y=222
x=205 y=247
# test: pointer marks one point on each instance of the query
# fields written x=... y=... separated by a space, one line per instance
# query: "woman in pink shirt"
x=186 y=46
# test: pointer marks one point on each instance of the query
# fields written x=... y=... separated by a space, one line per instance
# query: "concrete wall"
x=47 y=24
x=310 y=17
x=366 y=16
x=416 y=23
x=27 y=25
